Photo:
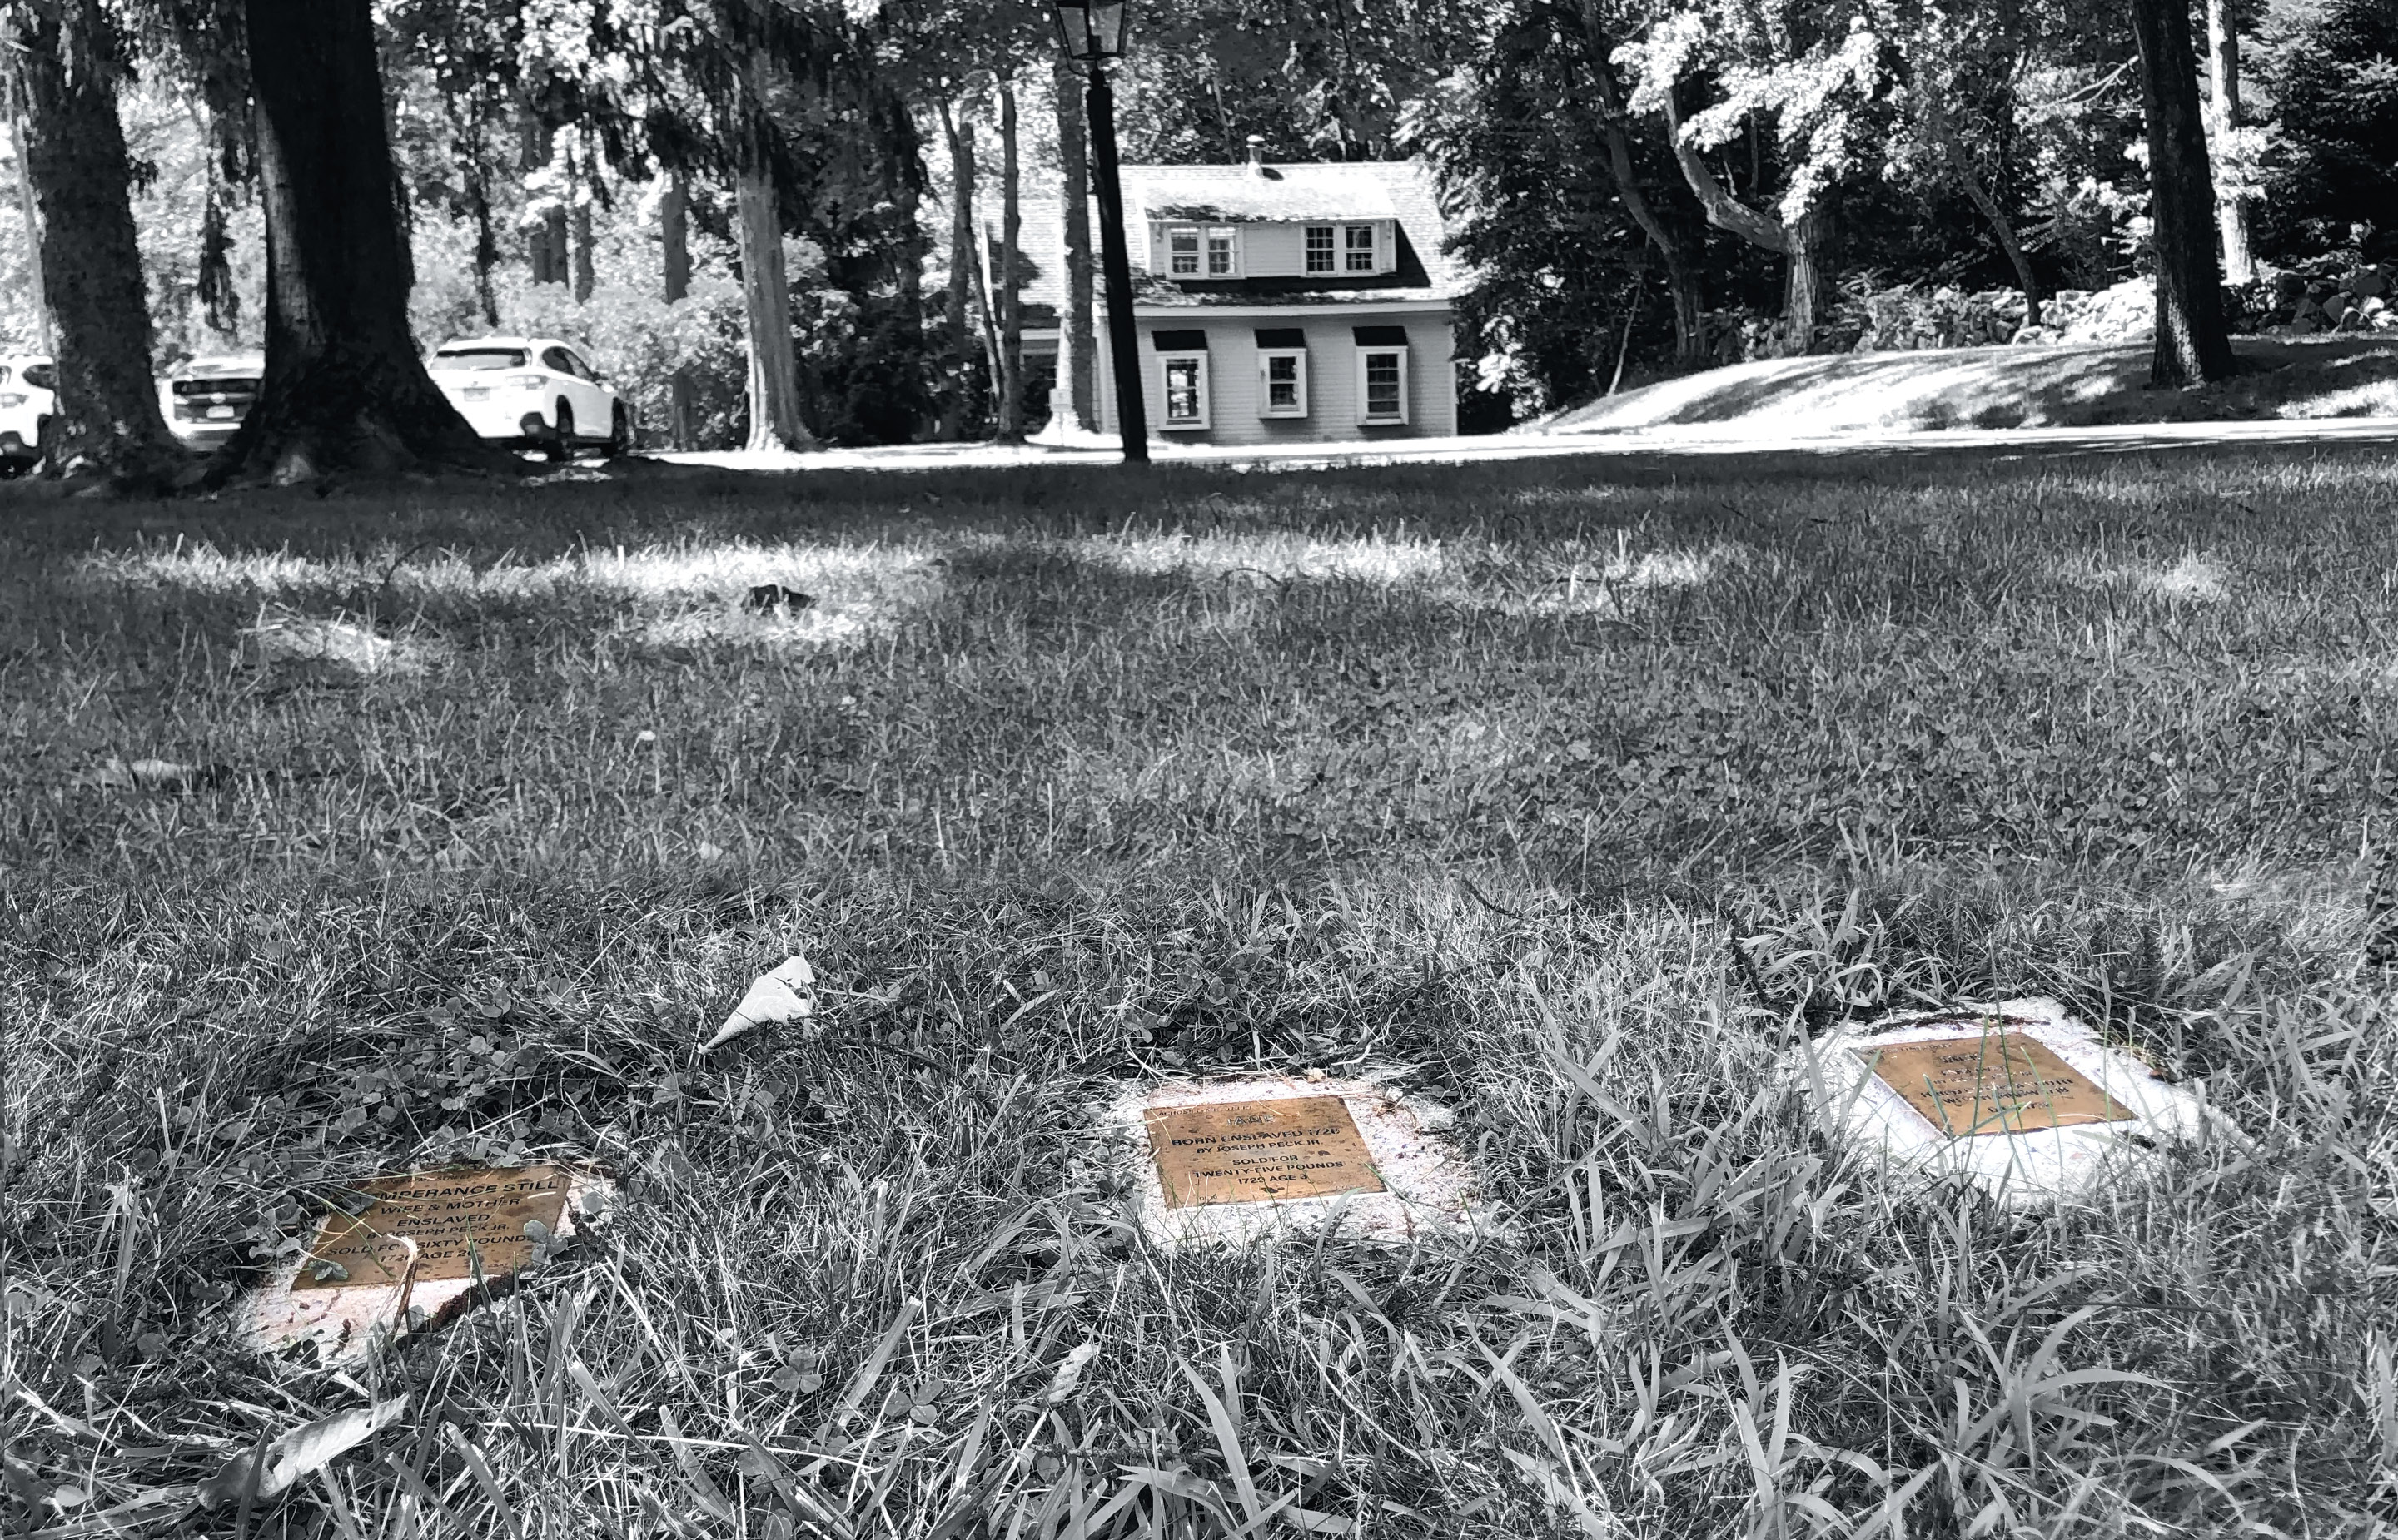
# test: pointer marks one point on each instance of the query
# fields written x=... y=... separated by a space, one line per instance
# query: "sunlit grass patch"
x=1569 y=807
x=2192 y=576
x=1268 y=558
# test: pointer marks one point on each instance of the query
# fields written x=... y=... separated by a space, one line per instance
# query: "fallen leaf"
x=786 y=995
x=302 y=1451
x=155 y=775
x=1070 y=1372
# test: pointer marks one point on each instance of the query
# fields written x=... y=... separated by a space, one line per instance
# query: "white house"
x=1273 y=303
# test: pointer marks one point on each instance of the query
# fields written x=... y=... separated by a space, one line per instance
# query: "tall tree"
x=2326 y=65
x=1078 y=339
x=965 y=248
x=2193 y=343
x=765 y=284
x=545 y=233
x=1672 y=245
x=1802 y=66
x=2223 y=103
x=1957 y=67
x=581 y=188
x=66 y=61
x=674 y=237
x=343 y=386
x=1011 y=286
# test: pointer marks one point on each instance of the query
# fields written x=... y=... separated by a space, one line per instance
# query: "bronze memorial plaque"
x=1251 y=1152
x=2000 y=1082
x=448 y=1214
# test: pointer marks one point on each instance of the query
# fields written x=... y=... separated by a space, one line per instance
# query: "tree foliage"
x=1642 y=185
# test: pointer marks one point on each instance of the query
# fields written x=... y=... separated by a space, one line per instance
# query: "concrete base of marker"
x=1428 y=1190
x=348 y=1325
x=2035 y=1168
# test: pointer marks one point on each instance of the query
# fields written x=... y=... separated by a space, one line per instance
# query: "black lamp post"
x=1093 y=32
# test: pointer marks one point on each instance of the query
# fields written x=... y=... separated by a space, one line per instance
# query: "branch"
x=1724 y=211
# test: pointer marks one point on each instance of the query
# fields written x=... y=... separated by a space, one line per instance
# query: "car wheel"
x=619 y=432
x=561 y=439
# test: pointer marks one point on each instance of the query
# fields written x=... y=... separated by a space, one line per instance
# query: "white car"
x=205 y=400
x=28 y=409
x=532 y=393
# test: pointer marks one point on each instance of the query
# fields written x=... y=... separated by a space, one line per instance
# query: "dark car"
x=206 y=399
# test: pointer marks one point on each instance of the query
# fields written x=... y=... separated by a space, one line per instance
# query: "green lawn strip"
x=1577 y=799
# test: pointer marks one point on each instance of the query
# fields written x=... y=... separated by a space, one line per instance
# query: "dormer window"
x=1344 y=248
x=1202 y=251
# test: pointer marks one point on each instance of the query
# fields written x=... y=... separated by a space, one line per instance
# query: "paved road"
x=1671 y=445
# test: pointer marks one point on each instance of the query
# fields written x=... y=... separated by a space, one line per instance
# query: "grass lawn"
x=2005 y=387
x=1570 y=801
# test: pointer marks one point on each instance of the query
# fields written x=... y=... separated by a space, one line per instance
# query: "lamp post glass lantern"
x=1093 y=32
x=1089 y=30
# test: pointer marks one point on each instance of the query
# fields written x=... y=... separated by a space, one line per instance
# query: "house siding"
x=1273 y=250
x=1235 y=394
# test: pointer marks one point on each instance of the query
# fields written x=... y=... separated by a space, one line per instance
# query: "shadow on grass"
x=1996 y=388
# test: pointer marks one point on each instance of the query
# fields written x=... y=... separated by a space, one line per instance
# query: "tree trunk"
x=1810 y=277
x=987 y=312
x=1078 y=348
x=32 y=219
x=1724 y=211
x=766 y=294
x=585 y=280
x=545 y=243
x=487 y=248
x=903 y=161
x=75 y=157
x=2001 y=227
x=345 y=388
x=1682 y=279
x=2193 y=341
x=1011 y=236
x=2223 y=81
x=965 y=265
x=467 y=134
x=1806 y=242
x=1683 y=282
x=674 y=235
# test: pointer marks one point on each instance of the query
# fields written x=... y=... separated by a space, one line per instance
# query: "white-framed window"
x=1186 y=389
x=1381 y=385
x=1359 y=249
x=1281 y=382
x=1183 y=250
x=1319 y=248
x=1223 y=251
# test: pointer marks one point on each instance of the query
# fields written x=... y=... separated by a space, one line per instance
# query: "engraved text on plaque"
x=448 y=1214
x=1246 y=1152
x=2001 y=1082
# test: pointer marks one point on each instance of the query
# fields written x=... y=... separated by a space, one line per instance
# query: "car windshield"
x=227 y=370
x=479 y=358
